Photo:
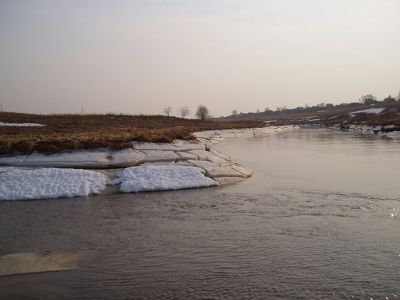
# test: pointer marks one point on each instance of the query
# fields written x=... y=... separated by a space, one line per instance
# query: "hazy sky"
x=141 y=56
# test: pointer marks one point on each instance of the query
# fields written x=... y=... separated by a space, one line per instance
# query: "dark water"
x=320 y=219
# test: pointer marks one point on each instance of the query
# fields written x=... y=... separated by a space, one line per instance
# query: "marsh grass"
x=71 y=132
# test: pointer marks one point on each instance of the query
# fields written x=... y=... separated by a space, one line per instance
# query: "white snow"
x=159 y=155
x=393 y=134
x=186 y=155
x=21 y=124
x=152 y=146
x=49 y=183
x=376 y=110
x=75 y=159
x=201 y=163
x=126 y=158
x=178 y=145
x=229 y=180
x=207 y=155
x=9 y=160
x=163 y=177
x=214 y=171
x=217 y=136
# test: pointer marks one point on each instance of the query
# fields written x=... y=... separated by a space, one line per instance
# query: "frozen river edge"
x=143 y=167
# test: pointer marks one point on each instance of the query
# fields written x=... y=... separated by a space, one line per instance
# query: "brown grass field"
x=69 y=132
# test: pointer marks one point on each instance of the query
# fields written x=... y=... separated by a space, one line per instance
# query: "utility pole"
x=82 y=110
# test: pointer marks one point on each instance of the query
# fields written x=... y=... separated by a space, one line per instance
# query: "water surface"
x=320 y=219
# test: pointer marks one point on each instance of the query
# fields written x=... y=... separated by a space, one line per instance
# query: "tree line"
x=202 y=112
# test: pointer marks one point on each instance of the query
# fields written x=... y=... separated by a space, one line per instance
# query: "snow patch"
x=159 y=156
x=49 y=183
x=76 y=159
x=376 y=110
x=164 y=177
x=21 y=124
x=186 y=155
x=126 y=158
x=209 y=156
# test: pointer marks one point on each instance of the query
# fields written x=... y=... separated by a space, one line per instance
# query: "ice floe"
x=162 y=177
x=49 y=183
x=37 y=262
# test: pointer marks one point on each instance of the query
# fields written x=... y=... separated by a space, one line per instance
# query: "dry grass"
x=67 y=132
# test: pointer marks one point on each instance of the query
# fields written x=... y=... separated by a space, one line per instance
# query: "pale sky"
x=141 y=56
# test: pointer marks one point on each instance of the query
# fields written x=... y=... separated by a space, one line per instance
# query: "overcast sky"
x=141 y=56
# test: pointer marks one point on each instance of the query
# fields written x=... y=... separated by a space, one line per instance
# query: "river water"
x=319 y=219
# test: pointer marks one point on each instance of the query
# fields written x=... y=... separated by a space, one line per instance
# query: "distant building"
x=389 y=100
x=329 y=106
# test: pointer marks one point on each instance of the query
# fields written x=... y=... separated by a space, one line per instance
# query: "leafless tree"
x=202 y=112
x=234 y=112
x=168 y=110
x=367 y=99
x=184 y=111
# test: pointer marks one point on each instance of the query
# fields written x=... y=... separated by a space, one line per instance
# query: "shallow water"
x=320 y=219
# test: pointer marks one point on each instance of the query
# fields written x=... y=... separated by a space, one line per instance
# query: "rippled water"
x=320 y=219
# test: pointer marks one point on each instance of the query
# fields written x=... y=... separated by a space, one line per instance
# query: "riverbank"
x=142 y=167
x=25 y=133
x=383 y=120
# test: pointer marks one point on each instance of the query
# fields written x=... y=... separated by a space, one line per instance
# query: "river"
x=319 y=219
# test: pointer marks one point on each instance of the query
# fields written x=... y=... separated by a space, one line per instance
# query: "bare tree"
x=234 y=112
x=184 y=111
x=398 y=97
x=367 y=99
x=168 y=110
x=202 y=112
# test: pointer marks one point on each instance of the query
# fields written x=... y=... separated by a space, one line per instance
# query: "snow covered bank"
x=389 y=131
x=21 y=124
x=140 y=153
x=212 y=137
x=149 y=167
x=49 y=183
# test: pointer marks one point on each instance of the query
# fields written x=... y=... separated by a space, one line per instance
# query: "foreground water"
x=320 y=219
